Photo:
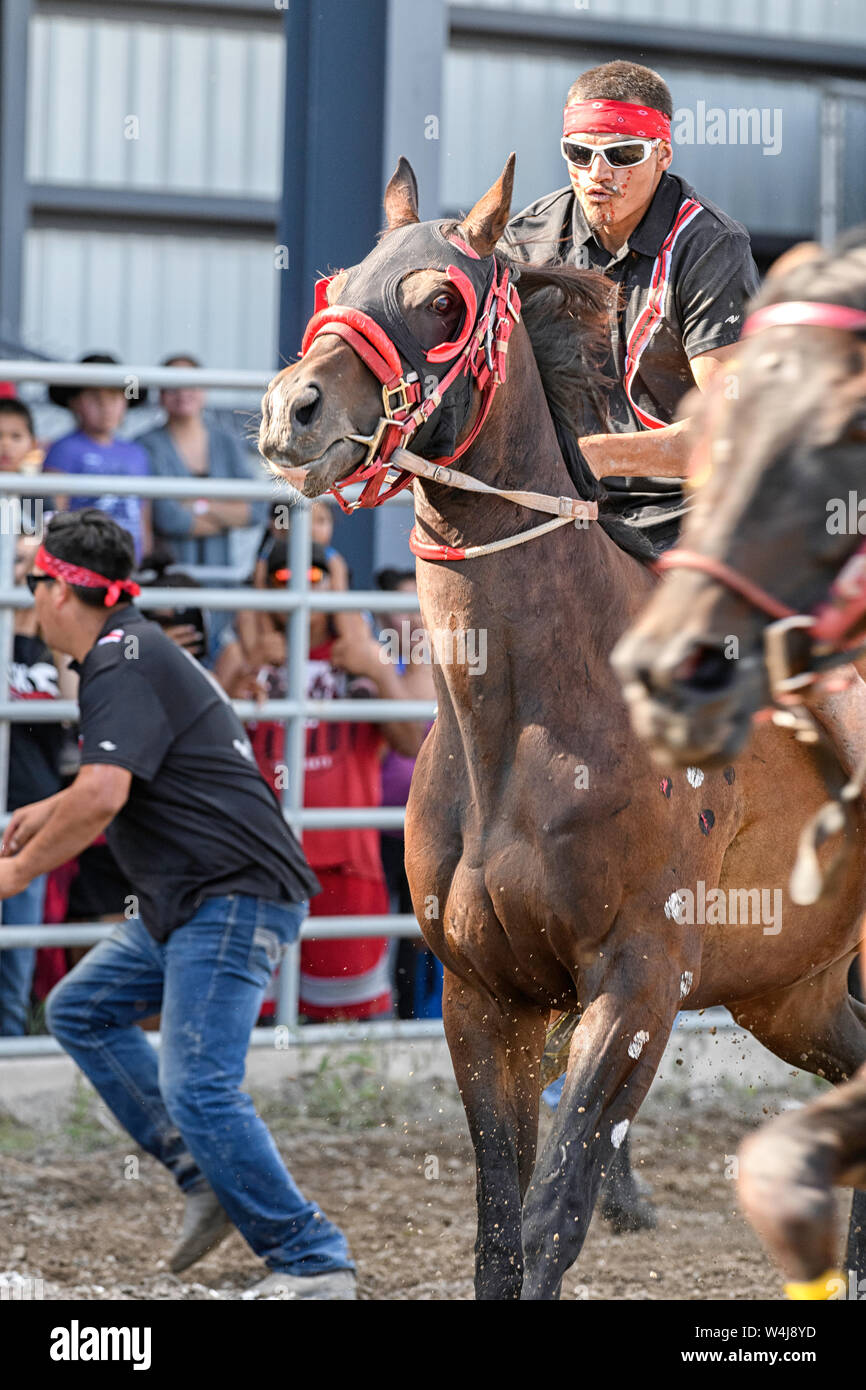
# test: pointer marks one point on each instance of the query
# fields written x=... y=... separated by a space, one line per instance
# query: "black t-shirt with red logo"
x=200 y=820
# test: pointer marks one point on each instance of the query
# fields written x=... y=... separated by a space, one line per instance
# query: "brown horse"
x=782 y=463
x=551 y=865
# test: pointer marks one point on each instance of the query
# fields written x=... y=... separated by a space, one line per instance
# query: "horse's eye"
x=442 y=303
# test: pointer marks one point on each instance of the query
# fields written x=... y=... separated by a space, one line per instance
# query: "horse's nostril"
x=306 y=407
x=704 y=669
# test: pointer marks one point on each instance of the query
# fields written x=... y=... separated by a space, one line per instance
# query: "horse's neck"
x=547 y=601
x=517 y=448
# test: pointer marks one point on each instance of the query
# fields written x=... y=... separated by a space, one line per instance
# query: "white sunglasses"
x=620 y=154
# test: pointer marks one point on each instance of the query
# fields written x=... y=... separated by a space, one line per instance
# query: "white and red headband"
x=615 y=118
x=87 y=579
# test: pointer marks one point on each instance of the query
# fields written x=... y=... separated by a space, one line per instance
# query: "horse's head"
x=782 y=444
x=388 y=338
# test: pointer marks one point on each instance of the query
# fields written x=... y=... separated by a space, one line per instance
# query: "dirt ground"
x=81 y=1210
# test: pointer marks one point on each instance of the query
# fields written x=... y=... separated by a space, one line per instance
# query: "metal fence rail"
x=297 y=601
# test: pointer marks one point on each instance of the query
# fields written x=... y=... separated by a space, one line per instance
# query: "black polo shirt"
x=200 y=820
x=685 y=276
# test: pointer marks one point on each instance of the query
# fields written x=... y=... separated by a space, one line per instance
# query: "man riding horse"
x=685 y=272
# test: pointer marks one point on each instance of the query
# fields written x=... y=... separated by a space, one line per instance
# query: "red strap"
x=464 y=247
x=445 y=351
x=433 y=552
x=705 y=564
x=845 y=605
x=813 y=314
x=337 y=319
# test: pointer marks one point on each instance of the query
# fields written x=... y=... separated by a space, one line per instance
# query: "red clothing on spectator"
x=347 y=977
x=344 y=978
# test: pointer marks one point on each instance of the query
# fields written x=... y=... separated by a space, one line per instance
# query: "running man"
x=220 y=885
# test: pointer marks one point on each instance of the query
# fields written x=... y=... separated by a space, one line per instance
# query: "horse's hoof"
x=629 y=1212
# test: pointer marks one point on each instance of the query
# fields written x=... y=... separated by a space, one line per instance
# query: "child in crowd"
x=255 y=631
x=322 y=525
x=95 y=448
x=20 y=453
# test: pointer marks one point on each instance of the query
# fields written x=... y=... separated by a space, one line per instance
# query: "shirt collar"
x=127 y=614
x=653 y=227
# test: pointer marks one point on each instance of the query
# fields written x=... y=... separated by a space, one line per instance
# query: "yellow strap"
x=825 y=1287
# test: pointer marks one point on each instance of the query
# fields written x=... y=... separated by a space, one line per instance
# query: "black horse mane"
x=565 y=310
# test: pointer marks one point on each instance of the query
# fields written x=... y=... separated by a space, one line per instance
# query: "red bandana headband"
x=88 y=579
x=615 y=118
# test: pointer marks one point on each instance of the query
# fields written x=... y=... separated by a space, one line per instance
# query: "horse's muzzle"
x=687 y=700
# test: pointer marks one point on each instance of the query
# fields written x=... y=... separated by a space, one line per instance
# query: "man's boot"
x=205 y=1224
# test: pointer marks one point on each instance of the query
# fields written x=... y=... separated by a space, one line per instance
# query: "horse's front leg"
x=496 y=1048
x=614 y=1054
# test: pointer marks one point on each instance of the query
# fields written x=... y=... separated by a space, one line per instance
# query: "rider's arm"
x=660 y=453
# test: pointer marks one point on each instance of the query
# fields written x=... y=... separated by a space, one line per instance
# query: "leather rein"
x=832 y=622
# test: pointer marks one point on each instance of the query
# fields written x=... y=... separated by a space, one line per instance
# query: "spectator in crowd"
x=322 y=527
x=201 y=532
x=187 y=626
x=34 y=773
x=95 y=448
x=417 y=973
x=20 y=453
x=344 y=978
x=255 y=631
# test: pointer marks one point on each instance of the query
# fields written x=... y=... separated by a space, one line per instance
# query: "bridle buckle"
x=783 y=660
x=401 y=390
x=371 y=441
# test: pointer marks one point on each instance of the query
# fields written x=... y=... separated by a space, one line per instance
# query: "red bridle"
x=841 y=613
x=480 y=348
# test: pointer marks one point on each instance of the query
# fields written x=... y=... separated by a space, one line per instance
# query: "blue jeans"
x=184 y=1105
x=16 y=967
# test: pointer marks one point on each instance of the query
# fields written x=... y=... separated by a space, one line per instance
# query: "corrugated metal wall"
x=143 y=296
x=820 y=19
x=207 y=102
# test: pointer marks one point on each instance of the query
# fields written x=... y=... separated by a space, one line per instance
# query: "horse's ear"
x=401 y=196
x=485 y=224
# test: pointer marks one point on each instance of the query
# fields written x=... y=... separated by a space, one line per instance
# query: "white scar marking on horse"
x=618 y=1133
x=686 y=980
x=675 y=906
x=694 y=776
x=635 y=1047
